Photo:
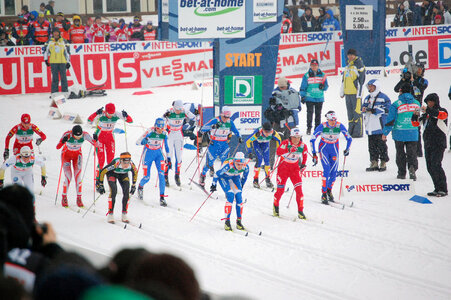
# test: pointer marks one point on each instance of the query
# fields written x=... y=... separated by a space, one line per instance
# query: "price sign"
x=359 y=17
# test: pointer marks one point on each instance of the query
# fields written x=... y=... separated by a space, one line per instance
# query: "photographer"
x=289 y=98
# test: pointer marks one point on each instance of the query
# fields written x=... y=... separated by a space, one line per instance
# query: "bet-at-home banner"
x=210 y=19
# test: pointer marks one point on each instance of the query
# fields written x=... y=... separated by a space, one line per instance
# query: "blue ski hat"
x=159 y=123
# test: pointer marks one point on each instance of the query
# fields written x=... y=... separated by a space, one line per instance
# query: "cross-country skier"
x=293 y=154
x=174 y=118
x=24 y=136
x=328 y=150
x=259 y=141
x=106 y=121
x=71 y=142
x=22 y=171
x=118 y=169
x=232 y=183
x=153 y=140
x=190 y=125
x=219 y=129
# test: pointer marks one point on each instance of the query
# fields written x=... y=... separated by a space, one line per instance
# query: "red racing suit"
x=72 y=154
x=289 y=168
x=23 y=137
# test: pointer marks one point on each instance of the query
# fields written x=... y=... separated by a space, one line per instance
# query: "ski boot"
x=110 y=218
x=330 y=197
x=239 y=226
x=79 y=202
x=163 y=201
x=166 y=180
x=401 y=176
x=433 y=194
x=309 y=131
x=324 y=199
x=124 y=217
x=383 y=166
x=412 y=174
x=275 y=211
x=212 y=171
x=227 y=225
x=269 y=183
x=256 y=184
x=177 y=179
x=202 y=180
x=301 y=215
x=140 y=193
x=373 y=166
x=64 y=201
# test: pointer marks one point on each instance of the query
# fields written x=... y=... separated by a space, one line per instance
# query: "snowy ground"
x=384 y=247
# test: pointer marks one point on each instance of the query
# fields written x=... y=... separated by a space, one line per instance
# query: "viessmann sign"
x=200 y=19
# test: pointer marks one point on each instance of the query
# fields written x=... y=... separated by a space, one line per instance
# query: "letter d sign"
x=243 y=87
x=444 y=53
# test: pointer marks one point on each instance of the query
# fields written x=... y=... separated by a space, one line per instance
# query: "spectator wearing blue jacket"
x=375 y=108
x=314 y=84
x=330 y=23
x=404 y=133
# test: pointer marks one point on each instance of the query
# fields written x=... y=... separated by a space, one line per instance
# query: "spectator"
x=135 y=30
x=447 y=16
x=320 y=19
x=330 y=23
x=88 y=35
x=308 y=21
x=4 y=40
x=50 y=7
x=11 y=289
x=25 y=13
x=149 y=33
x=416 y=10
x=117 y=33
x=63 y=25
x=77 y=31
x=45 y=11
x=295 y=18
x=40 y=30
x=404 y=16
x=289 y=98
x=98 y=31
x=436 y=12
x=435 y=123
x=426 y=11
x=314 y=84
x=405 y=134
x=33 y=17
x=351 y=88
x=21 y=32
x=57 y=57
x=119 y=267
x=438 y=19
x=287 y=26
x=375 y=108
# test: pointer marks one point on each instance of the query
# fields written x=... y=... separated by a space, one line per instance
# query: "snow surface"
x=384 y=247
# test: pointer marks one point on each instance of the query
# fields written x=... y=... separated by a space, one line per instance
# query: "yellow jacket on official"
x=56 y=52
x=353 y=78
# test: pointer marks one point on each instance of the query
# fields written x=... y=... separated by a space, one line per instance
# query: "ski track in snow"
x=383 y=247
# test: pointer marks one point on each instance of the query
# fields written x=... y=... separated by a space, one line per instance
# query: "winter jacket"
x=447 y=16
x=435 y=126
x=400 y=119
x=57 y=51
x=404 y=18
x=426 y=13
x=377 y=105
x=330 y=24
x=310 y=86
x=308 y=23
x=289 y=98
x=353 y=78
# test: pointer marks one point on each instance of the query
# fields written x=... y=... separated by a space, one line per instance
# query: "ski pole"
x=292 y=193
x=190 y=163
x=201 y=206
x=93 y=203
x=341 y=183
x=234 y=151
x=273 y=171
x=198 y=166
x=86 y=165
x=95 y=152
x=59 y=180
x=125 y=130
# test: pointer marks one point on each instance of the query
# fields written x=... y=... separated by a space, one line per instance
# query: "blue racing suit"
x=232 y=183
x=219 y=147
x=153 y=145
x=328 y=148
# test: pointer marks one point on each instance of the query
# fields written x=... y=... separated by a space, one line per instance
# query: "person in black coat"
x=308 y=21
x=435 y=123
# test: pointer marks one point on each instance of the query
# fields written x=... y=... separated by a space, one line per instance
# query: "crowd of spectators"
x=300 y=18
x=36 y=28
x=411 y=13
x=34 y=266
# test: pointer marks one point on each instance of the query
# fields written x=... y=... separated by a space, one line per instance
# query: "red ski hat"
x=110 y=108
x=25 y=118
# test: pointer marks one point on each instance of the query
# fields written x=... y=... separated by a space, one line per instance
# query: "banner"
x=246 y=118
x=265 y=10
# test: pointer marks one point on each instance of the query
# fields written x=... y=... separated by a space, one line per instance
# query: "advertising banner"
x=246 y=118
x=200 y=19
x=265 y=10
x=358 y=188
x=242 y=90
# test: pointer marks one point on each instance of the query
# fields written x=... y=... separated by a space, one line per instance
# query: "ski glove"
x=95 y=137
x=124 y=114
x=169 y=163
x=1 y=183
x=303 y=167
x=321 y=86
x=99 y=111
x=133 y=189
x=64 y=140
x=346 y=152
x=43 y=181
x=100 y=188
x=251 y=155
x=213 y=188
x=315 y=159
x=167 y=114
x=67 y=65
x=240 y=140
x=38 y=141
x=6 y=154
x=303 y=99
x=47 y=63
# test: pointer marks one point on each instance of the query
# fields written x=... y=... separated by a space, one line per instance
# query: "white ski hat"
x=178 y=104
x=239 y=156
x=331 y=115
x=25 y=151
x=226 y=111
x=295 y=132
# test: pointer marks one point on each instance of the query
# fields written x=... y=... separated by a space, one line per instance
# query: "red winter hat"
x=110 y=108
x=25 y=118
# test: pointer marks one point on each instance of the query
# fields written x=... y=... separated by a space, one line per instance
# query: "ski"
x=335 y=205
x=201 y=187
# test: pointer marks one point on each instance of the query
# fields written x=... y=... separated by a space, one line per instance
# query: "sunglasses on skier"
x=126 y=160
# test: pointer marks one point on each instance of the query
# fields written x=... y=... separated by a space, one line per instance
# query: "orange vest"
x=149 y=35
x=41 y=33
x=21 y=29
x=64 y=33
x=77 y=34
